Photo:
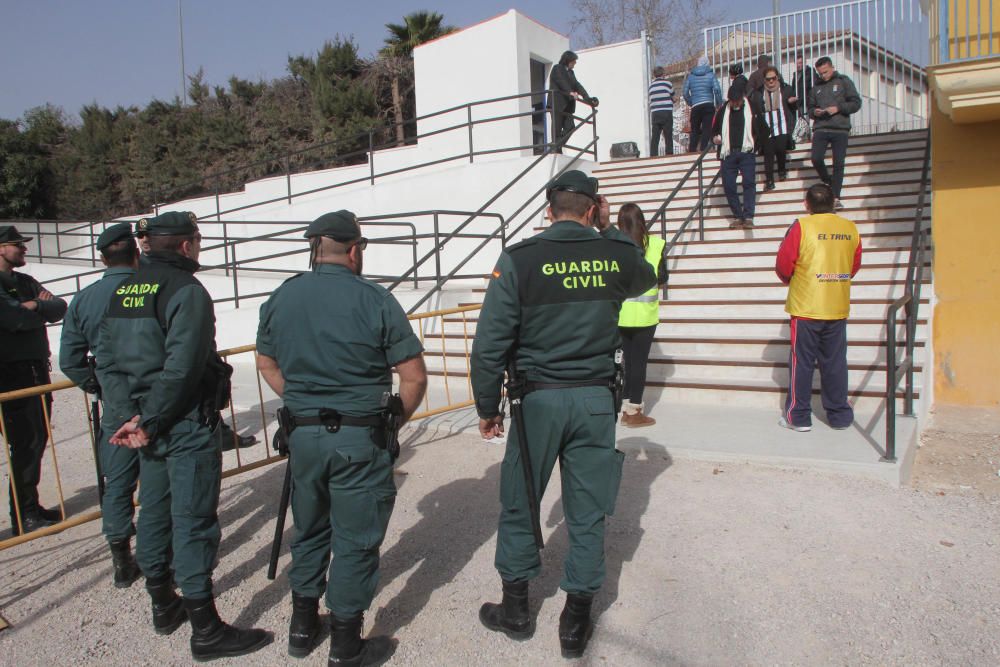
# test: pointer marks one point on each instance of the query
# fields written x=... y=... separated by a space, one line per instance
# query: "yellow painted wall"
x=972 y=29
x=966 y=229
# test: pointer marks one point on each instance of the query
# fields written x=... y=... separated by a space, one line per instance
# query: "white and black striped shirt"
x=661 y=96
x=774 y=112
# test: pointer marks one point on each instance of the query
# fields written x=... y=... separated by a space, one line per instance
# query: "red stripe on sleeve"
x=788 y=253
x=857 y=258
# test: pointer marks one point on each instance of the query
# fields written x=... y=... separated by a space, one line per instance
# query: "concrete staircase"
x=723 y=334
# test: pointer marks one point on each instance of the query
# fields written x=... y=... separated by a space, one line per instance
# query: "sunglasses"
x=360 y=244
x=770 y=78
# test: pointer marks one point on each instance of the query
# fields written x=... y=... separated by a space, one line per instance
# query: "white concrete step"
x=764 y=258
x=867 y=308
x=736 y=371
x=733 y=344
x=761 y=274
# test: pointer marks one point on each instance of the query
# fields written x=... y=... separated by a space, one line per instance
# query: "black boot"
x=511 y=616
x=168 y=610
x=126 y=571
x=348 y=649
x=575 y=626
x=303 y=629
x=211 y=638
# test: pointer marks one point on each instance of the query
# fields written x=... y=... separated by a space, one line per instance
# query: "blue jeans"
x=743 y=164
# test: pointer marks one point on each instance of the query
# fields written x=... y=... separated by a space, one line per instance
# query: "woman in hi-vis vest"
x=639 y=317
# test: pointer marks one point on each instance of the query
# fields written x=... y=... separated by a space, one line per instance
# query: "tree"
x=397 y=55
x=674 y=26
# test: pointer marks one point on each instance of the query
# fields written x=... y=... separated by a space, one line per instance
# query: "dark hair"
x=772 y=68
x=735 y=70
x=572 y=204
x=658 y=72
x=567 y=57
x=632 y=222
x=121 y=253
x=763 y=60
x=825 y=60
x=159 y=243
x=819 y=198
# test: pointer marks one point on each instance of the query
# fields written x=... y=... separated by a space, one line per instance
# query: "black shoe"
x=348 y=649
x=511 y=616
x=575 y=626
x=769 y=186
x=241 y=440
x=126 y=570
x=211 y=638
x=303 y=629
x=782 y=175
x=53 y=515
x=168 y=609
x=30 y=522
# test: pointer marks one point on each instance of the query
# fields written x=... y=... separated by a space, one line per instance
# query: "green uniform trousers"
x=342 y=497
x=120 y=470
x=577 y=427
x=180 y=475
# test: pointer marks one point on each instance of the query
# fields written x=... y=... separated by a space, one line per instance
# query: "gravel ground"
x=707 y=565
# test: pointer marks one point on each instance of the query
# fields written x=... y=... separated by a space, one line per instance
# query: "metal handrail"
x=699 y=208
x=899 y=370
x=469 y=124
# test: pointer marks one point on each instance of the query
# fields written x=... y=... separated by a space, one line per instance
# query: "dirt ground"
x=960 y=453
x=707 y=564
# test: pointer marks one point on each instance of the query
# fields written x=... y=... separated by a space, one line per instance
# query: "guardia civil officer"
x=160 y=324
x=230 y=439
x=119 y=466
x=552 y=305
x=326 y=344
x=25 y=308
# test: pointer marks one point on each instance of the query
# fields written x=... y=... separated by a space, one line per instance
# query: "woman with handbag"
x=776 y=103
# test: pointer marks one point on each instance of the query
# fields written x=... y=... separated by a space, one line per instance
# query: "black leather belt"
x=530 y=386
x=333 y=420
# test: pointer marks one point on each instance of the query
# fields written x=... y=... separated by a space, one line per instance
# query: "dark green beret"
x=340 y=226
x=114 y=234
x=573 y=181
x=172 y=223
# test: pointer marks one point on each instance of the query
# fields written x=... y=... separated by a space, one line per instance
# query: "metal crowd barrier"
x=452 y=346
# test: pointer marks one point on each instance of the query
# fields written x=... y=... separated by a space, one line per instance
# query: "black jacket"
x=563 y=80
x=840 y=92
x=758 y=106
x=758 y=129
x=803 y=82
x=23 y=336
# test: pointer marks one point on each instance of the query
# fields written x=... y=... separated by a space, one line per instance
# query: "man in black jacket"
x=566 y=90
x=803 y=82
x=25 y=308
x=831 y=102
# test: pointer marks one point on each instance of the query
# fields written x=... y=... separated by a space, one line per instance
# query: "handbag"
x=802 y=131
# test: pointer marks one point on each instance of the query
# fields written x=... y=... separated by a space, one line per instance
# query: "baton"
x=95 y=421
x=515 y=391
x=279 y=527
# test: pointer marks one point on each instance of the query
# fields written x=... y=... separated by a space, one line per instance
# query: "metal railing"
x=963 y=30
x=367 y=154
x=897 y=370
x=881 y=45
x=454 y=349
x=698 y=166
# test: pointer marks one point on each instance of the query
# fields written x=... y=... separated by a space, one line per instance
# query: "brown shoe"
x=736 y=224
x=638 y=420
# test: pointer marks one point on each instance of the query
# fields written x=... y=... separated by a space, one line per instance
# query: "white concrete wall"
x=615 y=74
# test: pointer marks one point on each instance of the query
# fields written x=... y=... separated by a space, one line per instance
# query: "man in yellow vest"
x=819 y=256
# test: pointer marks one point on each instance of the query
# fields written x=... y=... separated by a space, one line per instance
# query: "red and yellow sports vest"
x=820 y=288
x=644 y=310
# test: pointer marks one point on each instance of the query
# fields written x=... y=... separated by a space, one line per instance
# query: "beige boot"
x=635 y=418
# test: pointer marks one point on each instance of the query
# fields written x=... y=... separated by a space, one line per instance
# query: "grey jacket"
x=840 y=92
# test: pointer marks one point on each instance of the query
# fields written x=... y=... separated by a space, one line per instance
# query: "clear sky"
x=73 y=52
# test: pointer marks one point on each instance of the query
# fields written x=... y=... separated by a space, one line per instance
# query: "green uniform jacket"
x=555 y=298
x=23 y=336
x=335 y=337
x=160 y=328
x=81 y=329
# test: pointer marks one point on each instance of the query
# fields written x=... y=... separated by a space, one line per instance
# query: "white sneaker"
x=784 y=424
x=838 y=205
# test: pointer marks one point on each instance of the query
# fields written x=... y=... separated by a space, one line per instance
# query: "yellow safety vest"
x=644 y=310
x=820 y=288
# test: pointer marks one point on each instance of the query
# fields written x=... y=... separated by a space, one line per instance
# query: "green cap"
x=573 y=180
x=340 y=226
x=10 y=234
x=114 y=234
x=172 y=223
